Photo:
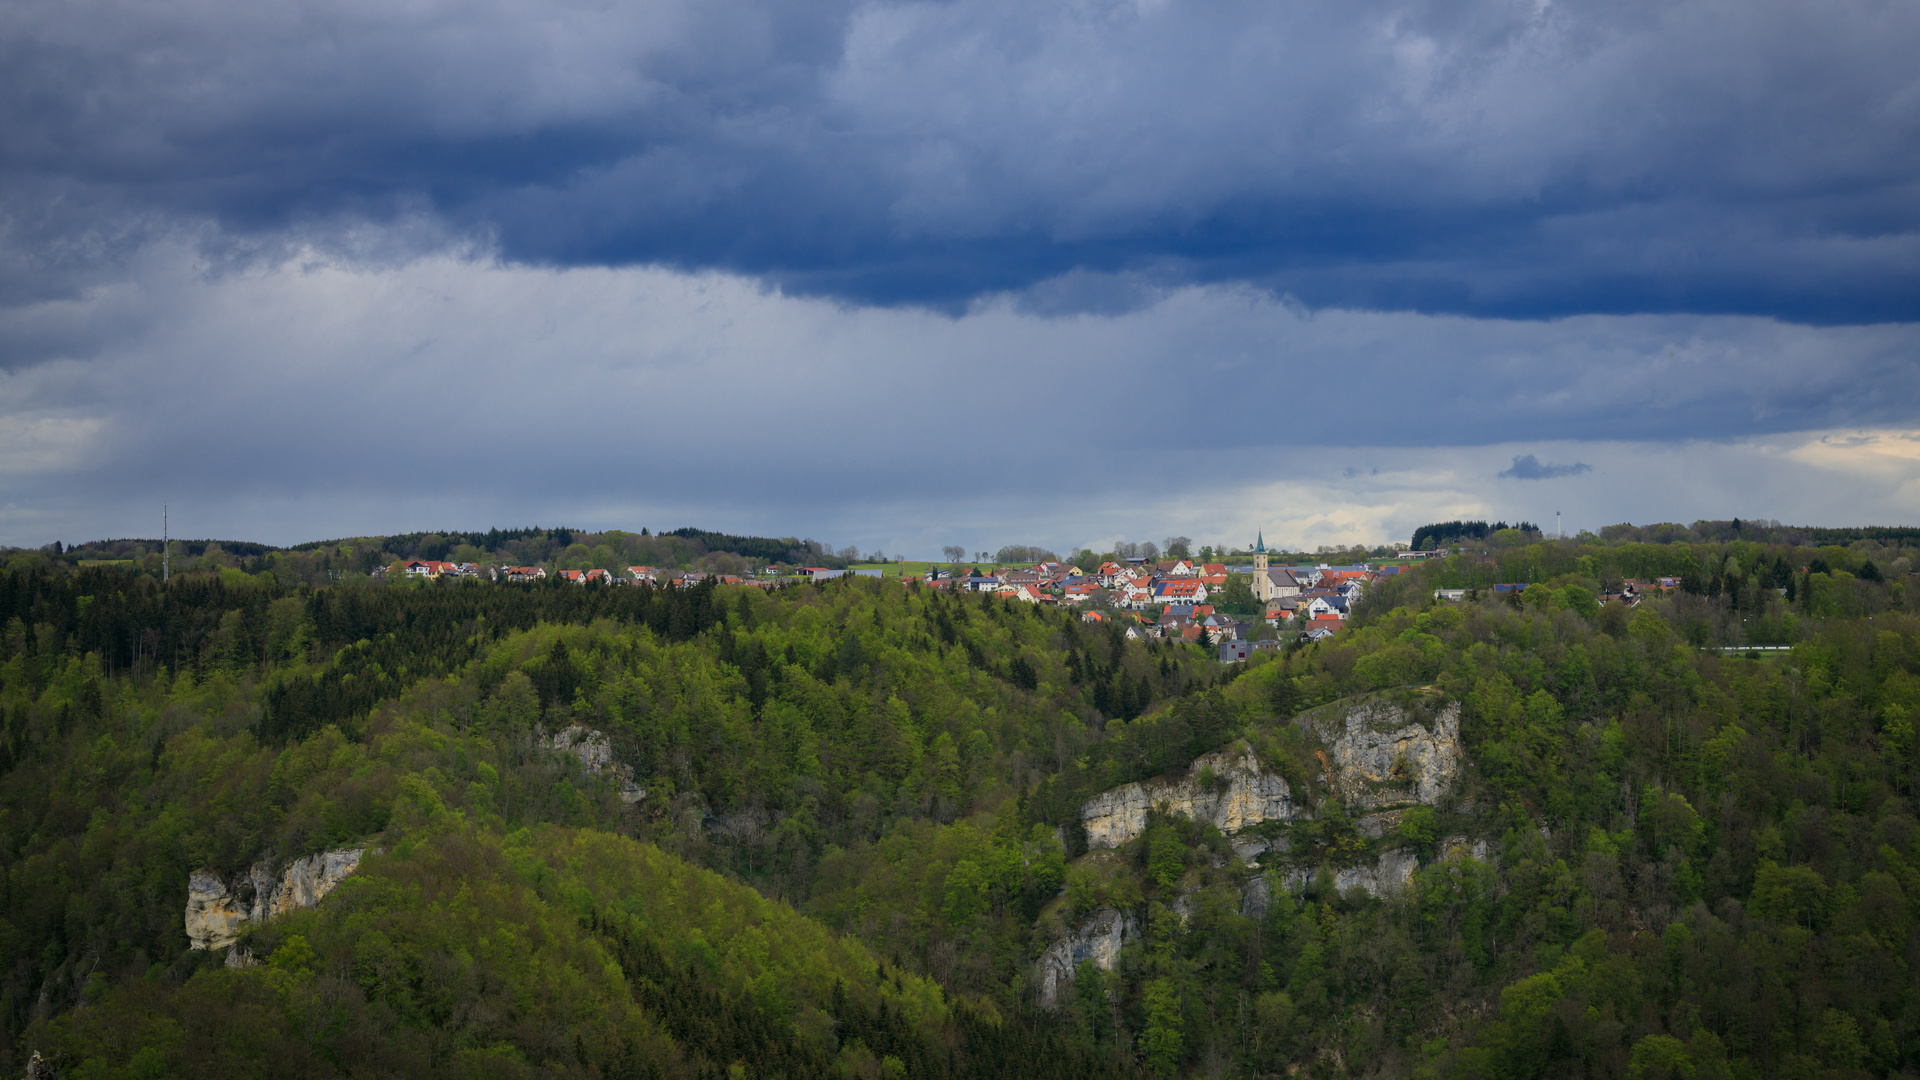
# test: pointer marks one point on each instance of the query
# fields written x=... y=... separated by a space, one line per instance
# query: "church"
x=1270 y=584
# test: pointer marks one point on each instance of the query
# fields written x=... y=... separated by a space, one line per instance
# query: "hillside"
x=871 y=829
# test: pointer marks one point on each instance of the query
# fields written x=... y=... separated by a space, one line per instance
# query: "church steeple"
x=1260 y=560
x=1260 y=544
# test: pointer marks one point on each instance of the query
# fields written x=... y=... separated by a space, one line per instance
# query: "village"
x=1237 y=609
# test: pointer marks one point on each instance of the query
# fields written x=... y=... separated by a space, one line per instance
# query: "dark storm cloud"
x=1528 y=467
x=1489 y=157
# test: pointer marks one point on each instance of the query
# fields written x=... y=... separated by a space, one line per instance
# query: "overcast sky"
x=901 y=275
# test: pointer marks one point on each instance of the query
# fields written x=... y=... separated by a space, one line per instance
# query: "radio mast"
x=164 y=546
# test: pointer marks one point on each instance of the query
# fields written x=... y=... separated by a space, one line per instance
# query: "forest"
x=861 y=829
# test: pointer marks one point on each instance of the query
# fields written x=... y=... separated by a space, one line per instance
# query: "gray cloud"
x=322 y=397
x=1528 y=467
x=1492 y=157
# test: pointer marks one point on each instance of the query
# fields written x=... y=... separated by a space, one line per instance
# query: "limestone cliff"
x=595 y=753
x=214 y=914
x=218 y=910
x=1384 y=877
x=1380 y=755
x=1245 y=795
x=1098 y=939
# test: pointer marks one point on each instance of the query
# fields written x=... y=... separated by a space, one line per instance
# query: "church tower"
x=1260 y=554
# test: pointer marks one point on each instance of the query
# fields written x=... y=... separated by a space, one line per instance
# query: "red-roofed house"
x=427 y=568
x=1180 y=591
x=1081 y=590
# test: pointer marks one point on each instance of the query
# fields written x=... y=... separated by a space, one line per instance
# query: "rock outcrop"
x=595 y=753
x=214 y=913
x=1099 y=939
x=1378 y=755
x=218 y=910
x=1244 y=795
x=1383 y=877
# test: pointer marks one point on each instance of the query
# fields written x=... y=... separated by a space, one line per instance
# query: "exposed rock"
x=241 y=957
x=217 y=911
x=305 y=881
x=1255 y=897
x=214 y=914
x=1098 y=939
x=1387 y=876
x=1379 y=756
x=595 y=752
x=1248 y=796
x=1295 y=879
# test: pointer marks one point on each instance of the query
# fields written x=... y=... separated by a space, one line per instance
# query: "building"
x=1188 y=590
x=427 y=568
x=1269 y=583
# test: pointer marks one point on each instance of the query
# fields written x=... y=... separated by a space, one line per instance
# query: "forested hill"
x=324 y=562
x=860 y=829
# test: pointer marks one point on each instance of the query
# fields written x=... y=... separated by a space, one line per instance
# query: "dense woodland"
x=860 y=827
x=350 y=561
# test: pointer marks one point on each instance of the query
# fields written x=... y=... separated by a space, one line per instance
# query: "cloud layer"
x=319 y=398
x=1490 y=157
x=893 y=270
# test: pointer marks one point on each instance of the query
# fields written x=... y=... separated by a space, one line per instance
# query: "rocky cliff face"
x=214 y=913
x=1380 y=756
x=1384 y=877
x=595 y=752
x=218 y=910
x=1098 y=939
x=1247 y=796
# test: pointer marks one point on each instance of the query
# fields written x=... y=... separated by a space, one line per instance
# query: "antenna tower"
x=165 y=547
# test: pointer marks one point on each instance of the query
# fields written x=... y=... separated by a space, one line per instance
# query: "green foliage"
x=862 y=811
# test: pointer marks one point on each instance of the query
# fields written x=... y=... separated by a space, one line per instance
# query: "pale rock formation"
x=217 y=911
x=1099 y=939
x=1255 y=897
x=1249 y=848
x=1250 y=796
x=1385 y=877
x=595 y=752
x=305 y=881
x=214 y=915
x=1378 y=756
